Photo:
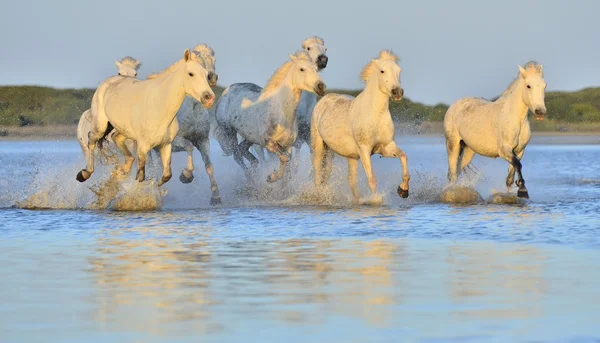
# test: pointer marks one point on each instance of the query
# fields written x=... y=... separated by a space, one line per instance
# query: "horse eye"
x=528 y=86
x=301 y=69
x=119 y=74
x=135 y=74
x=382 y=72
x=308 y=48
x=191 y=74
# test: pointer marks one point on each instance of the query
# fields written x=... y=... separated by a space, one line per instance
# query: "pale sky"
x=448 y=49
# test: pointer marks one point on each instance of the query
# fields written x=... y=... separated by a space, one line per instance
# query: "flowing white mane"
x=384 y=55
x=131 y=62
x=282 y=71
x=531 y=66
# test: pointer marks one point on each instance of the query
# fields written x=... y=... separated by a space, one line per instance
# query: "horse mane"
x=131 y=62
x=384 y=55
x=530 y=66
x=282 y=71
x=204 y=49
x=315 y=39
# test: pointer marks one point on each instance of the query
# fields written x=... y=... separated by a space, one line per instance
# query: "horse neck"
x=512 y=101
x=375 y=100
x=285 y=99
x=169 y=92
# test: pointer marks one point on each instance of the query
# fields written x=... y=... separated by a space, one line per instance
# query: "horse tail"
x=106 y=155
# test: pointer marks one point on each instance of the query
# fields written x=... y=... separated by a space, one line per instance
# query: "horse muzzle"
x=320 y=89
x=322 y=62
x=540 y=113
x=207 y=99
x=212 y=79
x=397 y=94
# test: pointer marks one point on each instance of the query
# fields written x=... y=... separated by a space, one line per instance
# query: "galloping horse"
x=145 y=111
x=496 y=129
x=266 y=117
x=357 y=128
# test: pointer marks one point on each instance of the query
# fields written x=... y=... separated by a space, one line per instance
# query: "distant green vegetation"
x=32 y=105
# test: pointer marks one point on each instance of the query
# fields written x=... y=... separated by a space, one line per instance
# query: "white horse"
x=315 y=47
x=145 y=111
x=128 y=66
x=194 y=127
x=357 y=128
x=266 y=117
x=496 y=129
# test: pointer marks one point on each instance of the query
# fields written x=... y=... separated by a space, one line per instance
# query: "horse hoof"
x=215 y=201
x=80 y=176
x=185 y=179
x=522 y=193
x=403 y=193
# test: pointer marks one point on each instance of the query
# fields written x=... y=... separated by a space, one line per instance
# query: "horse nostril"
x=321 y=86
x=402 y=91
x=207 y=96
x=539 y=112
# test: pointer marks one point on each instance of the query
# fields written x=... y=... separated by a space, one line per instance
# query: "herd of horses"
x=168 y=113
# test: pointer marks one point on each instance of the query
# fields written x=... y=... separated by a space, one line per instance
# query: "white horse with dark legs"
x=266 y=117
x=357 y=128
x=496 y=129
x=128 y=66
x=315 y=47
x=145 y=112
x=194 y=126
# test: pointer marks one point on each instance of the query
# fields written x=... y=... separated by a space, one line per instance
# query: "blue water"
x=270 y=266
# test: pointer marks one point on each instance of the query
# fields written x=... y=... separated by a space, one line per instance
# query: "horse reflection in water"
x=173 y=280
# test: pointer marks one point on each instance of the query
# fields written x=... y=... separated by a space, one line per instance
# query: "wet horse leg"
x=98 y=131
x=365 y=158
x=119 y=140
x=509 y=155
x=352 y=179
x=510 y=179
x=187 y=174
x=165 y=156
x=392 y=150
x=204 y=148
x=244 y=147
x=284 y=158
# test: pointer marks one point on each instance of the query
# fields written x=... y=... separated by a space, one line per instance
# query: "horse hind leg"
x=318 y=155
x=244 y=147
x=204 y=148
x=98 y=132
x=119 y=140
x=352 y=179
x=466 y=156
x=453 y=147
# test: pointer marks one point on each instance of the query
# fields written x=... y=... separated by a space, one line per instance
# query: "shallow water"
x=272 y=264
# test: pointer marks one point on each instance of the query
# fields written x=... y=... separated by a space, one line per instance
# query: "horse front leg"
x=513 y=159
x=365 y=158
x=204 y=148
x=352 y=179
x=392 y=150
x=510 y=179
x=165 y=156
x=187 y=174
x=284 y=159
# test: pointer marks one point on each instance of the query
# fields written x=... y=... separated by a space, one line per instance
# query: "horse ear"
x=541 y=68
x=292 y=57
x=522 y=71
x=118 y=64
x=186 y=55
